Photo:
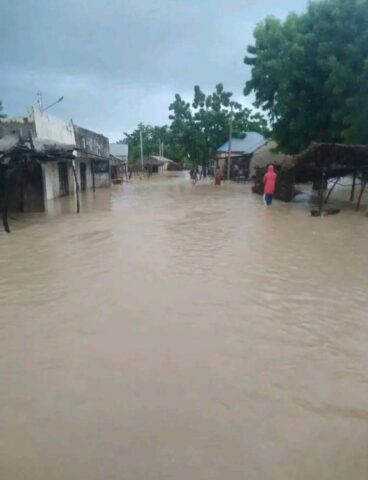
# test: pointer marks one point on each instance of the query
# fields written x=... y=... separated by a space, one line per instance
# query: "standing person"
x=194 y=175
x=218 y=176
x=269 y=182
x=199 y=173
x=236 y=173
x=191 y=173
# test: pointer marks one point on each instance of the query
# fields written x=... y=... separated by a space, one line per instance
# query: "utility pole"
x=230 y=135
x=39 y=99
x=141 y=142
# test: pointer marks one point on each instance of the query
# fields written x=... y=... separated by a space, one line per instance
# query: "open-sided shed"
x=318 y=164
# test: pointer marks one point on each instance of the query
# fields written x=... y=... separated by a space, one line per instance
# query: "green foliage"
x=310 y=73
x=198 y=129
x=201 y=128
x=151 y=137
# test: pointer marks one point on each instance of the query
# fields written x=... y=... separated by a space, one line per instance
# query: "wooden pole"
x=362 y=188
x=332 y=189
x=5 y=217
x=352 y=195
x=76 y=185
x=292 y=193
x=230 y=138
x=93 y=175
x=4 y=207
x=321 y=192
x=141 y=148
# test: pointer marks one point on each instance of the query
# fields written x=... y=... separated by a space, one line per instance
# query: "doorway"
x=26 y=189
x=83 y=176
x=63 y=178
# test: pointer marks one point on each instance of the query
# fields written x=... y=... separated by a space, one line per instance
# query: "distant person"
x=269 y=182
x=236 y=173
x=194 y=175
x=218 y=176
x=204 y=171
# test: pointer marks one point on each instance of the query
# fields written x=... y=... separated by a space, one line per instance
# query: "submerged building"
x=242 y=149
x=42 y=157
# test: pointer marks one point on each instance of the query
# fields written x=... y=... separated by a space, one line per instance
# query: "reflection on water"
x=179 y=332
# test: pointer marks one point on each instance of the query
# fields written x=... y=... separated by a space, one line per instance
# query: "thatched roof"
x=331 y=156
x=160 y=158
x=265 y=156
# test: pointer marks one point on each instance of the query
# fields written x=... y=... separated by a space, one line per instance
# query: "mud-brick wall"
x=284 y=184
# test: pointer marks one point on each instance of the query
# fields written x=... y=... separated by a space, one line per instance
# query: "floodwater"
x=172 y=332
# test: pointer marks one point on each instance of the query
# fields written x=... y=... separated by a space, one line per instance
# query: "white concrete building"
x=56 y=147
x=53 y=132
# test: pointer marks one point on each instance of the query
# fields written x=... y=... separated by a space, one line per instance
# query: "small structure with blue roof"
x=243 y=147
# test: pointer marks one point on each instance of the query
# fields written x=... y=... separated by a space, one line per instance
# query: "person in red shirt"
x=218 y=176
x=269 y=182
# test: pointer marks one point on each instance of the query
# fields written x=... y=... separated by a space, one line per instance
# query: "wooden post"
x=292 y=192
x=321 y=192
x=4 y=206
x=331 y=189
x=362 y=188
x=352 y=195
x=76 y=185
x=93 y=175
x=5 y=217
x=229 y=149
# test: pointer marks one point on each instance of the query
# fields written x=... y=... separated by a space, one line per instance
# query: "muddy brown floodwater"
x=176 y=333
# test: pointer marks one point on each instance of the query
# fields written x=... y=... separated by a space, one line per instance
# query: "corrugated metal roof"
x=119 y=149
x=249 y=144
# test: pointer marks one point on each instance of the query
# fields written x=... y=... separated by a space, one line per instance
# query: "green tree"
x=151 y=136
x=310 y=74
x=184 y=137
x=199 y=129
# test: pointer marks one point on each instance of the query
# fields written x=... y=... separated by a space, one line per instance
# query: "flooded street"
x=172 y=332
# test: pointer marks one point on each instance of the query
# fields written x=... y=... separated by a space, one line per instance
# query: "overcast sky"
x=119 y=62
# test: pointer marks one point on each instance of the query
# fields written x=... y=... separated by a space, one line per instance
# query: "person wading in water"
x=194 y=175
x=269 y=182
x=218 y=176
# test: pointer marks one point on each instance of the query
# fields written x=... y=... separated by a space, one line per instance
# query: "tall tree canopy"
x=200 y=128
x=151 y=136
x=310 y=73
x=197 y=129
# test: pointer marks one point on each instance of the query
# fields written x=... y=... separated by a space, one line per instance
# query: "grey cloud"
x=121 y=62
